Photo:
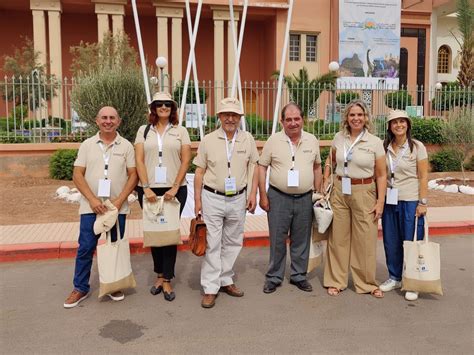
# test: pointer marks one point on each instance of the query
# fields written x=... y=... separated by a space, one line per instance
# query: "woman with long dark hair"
x=163 y=154
x=407 y=179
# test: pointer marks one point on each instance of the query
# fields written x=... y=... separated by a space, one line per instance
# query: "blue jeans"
x=87 y=245
x=398 y=224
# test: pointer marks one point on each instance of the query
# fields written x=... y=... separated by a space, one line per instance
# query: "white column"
x=176 y=49
x=218 y=58
x=231 y=53
x=105 y=10
x=39 y=34
x=55 y=58
x=162 y=28
x=102 y=26
x=117 y=24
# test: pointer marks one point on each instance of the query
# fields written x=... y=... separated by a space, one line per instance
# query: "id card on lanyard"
x=293 y=179
x=160 y=170
x=346 y=180
x=392 y=192
x=105 y=183
x=230 y=184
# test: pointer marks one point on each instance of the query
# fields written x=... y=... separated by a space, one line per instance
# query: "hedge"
x=61 y=164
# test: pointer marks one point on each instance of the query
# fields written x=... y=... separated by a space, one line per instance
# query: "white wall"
x=444 y=37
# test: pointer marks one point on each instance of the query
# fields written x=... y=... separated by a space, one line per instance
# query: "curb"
x=66 y=250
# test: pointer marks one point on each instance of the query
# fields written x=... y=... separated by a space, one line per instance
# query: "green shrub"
x=20 y=111
x=347 y=96
x=446 y=159
x=428 y=131
x=398 y=100
x=190 y=96
x=14 y=140
x=452 y=95
x=258 y=125
x=470 y=164
x=61 y=164
x=324 y=155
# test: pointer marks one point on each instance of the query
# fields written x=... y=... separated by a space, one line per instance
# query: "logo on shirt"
x=307 y=151
x=242 y=151
x=118 y=154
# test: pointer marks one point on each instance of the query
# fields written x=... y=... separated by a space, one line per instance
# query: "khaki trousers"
x=225 y=220
x=354 y=239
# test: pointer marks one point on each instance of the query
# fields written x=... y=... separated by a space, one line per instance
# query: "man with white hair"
x=104 y=169
x=225 y=171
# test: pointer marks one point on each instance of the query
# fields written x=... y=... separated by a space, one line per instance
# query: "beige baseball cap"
x=230 y=104
x=394 y=114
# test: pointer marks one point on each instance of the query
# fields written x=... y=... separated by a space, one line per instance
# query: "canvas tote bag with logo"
x=161 y=223
x=421 y=264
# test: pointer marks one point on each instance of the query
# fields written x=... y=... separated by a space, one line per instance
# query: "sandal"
x=154 y=290
x=332 y=291
x=168 y=296
x=377 y=293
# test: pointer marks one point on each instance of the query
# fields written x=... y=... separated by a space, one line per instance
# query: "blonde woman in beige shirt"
x=407 y=165
x=357 y=200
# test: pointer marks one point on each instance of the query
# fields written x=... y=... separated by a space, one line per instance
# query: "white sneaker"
x=116 y=296
x=390 y=285
x=411 y=296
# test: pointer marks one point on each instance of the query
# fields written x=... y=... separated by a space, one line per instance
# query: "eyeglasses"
x=167 y=104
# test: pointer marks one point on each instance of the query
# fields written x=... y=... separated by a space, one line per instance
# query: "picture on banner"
x=369 y=42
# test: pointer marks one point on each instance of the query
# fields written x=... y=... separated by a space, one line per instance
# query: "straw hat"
x=230 y=105
x=162 y=96
x=394 y=114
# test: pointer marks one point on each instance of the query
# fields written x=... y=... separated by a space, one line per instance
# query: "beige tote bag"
x=161 y=223
x=316 y=250
x=421 y=264
x=115 y=268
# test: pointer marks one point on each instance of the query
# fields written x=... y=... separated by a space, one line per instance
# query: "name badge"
x=293 y=178
x=104 y=188
x=346 y=186
x=230 y=186
x=160 y=174
x=392 y=196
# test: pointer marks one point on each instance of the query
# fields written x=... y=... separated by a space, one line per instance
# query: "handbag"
x=316 y=250
x=323 y=213
x=198 y=236
x=113 y=263
x=161 y=226
x=421 y=264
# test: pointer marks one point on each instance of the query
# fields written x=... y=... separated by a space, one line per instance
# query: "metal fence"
x=38 y=108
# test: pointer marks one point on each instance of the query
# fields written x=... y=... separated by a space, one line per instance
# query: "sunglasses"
x=167 y=104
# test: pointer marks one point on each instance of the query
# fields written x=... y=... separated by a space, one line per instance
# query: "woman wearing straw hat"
x=407 y=166
x=163 y=154
x=357 y=200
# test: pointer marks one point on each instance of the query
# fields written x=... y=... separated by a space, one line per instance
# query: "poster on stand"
x=369 y=43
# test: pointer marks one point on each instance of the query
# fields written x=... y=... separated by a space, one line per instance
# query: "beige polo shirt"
x=173 y=140
x=91 y=157
x=212 y=157
x=406 y=170
x=365 y=152
x=277 y=154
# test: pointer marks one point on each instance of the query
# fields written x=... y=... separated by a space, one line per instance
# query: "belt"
x=210 y=189
x=292 y=195
x=359 y=181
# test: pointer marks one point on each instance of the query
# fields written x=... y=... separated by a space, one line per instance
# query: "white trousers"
x=225 y=220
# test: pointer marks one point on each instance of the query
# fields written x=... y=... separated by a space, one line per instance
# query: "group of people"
x=372 y=180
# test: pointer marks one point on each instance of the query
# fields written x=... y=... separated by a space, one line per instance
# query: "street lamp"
x=161 y=63
x=333 y=67
x=438 y=87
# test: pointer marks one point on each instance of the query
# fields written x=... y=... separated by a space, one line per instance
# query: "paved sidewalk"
x=58 y=240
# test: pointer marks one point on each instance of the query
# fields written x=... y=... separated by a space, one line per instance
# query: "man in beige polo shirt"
x=295 y=173
x=224 y=162
x=104 y=169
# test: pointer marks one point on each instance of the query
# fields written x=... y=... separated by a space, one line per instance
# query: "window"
x=311 y=42
x=295 y=47
x=444 y=54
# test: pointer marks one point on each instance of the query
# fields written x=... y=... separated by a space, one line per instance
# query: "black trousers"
x=164 y=258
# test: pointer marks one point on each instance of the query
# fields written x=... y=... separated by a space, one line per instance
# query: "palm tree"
x=465 y=17
x=305 y=92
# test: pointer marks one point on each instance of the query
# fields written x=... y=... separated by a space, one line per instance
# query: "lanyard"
x=349 y=151
x=106 y=157
x=393 y=164
x=231 y=150
x=160 y=143
x=292 y=151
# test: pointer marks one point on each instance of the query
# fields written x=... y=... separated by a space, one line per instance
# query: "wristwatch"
x=423 y=201
x=146 y=186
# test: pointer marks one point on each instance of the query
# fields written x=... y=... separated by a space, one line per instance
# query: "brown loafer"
x=232 y=290
x=208 y=301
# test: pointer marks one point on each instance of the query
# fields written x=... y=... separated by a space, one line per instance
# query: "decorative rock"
x=75 y=197
x=432 y=184
x=62 y=190
x=440 y=187
x=73 y=190
x=132 y=198
x=451 y=188
x=466 y=189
